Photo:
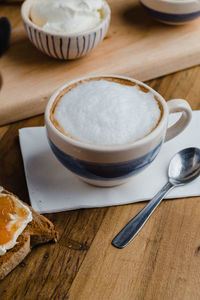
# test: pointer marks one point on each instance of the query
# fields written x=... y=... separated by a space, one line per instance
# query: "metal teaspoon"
x=183 y=168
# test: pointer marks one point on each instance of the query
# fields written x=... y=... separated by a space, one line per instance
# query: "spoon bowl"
x=184 y=166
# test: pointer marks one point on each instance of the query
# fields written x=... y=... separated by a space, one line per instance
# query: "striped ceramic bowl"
x=175 y=12
x=63 y=46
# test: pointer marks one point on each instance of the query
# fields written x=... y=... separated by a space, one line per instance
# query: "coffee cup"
x=103 y=159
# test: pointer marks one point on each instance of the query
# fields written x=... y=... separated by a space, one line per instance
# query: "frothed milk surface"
x=105 y=112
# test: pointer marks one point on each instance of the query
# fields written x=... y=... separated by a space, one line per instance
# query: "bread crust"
x=40 y=230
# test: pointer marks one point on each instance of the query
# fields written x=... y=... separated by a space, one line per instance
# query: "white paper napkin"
x=52 y=188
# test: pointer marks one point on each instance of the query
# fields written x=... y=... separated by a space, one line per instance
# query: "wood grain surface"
x=163 y=261
x=135 y=46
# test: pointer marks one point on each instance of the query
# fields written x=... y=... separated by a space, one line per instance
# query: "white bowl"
x=174 y=12
x=65 y=46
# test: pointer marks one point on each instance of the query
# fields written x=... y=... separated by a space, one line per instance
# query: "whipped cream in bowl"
x=67 y=16
x=66 y=29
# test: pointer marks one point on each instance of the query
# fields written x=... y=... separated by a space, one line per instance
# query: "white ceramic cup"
x=114 y=164
x=174 y=12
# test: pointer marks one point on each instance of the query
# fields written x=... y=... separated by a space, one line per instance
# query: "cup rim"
x=27 y=20
x=106 y=148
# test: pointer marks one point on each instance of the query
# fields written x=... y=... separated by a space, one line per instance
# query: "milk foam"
x=106 y=113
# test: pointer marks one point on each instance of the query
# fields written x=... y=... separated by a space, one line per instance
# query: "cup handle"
x=178 y=105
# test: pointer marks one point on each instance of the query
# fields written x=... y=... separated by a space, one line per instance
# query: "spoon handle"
x=136 y=223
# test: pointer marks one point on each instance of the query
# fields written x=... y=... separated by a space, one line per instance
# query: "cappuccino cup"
x=106 y=128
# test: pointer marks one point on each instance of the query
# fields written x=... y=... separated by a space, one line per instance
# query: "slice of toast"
x=39 y=230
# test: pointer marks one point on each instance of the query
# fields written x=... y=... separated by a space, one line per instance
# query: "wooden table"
x=161 y=263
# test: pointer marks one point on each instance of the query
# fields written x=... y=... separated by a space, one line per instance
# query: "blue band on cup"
x=171 y=18
x=105 y=171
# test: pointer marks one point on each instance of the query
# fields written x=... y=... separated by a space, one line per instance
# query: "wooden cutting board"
x=135 y=46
